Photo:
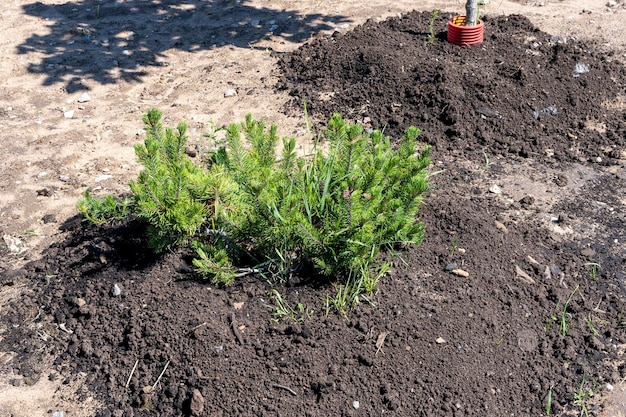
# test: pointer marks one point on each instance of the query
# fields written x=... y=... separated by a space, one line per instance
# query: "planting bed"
x=528 y=199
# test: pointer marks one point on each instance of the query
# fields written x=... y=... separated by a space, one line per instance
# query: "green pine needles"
x=250 y=208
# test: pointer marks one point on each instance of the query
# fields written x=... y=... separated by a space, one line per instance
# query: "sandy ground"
x=55 y=141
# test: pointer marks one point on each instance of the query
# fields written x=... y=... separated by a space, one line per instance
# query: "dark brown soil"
x=493 y=97
x=485 y=344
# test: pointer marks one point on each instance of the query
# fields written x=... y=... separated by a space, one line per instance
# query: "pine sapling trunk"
x=471 y=13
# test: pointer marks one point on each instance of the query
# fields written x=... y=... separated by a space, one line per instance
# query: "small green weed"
x=104 y=210
x=431 y=26
x=562 y=316
x=549 y=400
x=620 y=319
x=594 y=269
x=348 y=295
x=581 y=397
x=594 y=331
x=455 y=245
x=282 y=310
x=487 y=164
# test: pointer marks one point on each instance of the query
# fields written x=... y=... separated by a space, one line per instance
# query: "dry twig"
x=197 y=327
x=285 y=388
x=159 y=378
x=131 y=373
x=380 y=341
x=233 y=325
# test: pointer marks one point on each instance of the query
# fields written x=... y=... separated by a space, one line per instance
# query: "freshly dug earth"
x=532 y=324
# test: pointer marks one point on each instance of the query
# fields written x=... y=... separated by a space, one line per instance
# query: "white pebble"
x=356 y=405
x=230 y=92
x=116 y=290
x=495 y=189
x=102 y=178
x=84 y=98
x=609 y=387
x=69 y=114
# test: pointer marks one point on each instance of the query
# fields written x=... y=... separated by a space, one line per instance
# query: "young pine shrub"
x=251 y=206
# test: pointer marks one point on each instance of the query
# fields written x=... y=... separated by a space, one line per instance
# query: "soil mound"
x=522 y=92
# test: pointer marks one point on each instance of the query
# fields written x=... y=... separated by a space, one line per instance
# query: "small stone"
x=80 y=302
x=610 y=387
x=440 y=340
x=197 y=403
x=588 y=253
x=64 y=178
x=42 y=174
x=230 y=92
x=523 y=275
x=495 y=189
x=102 y=178
x=560 y=180
x=450 y=266
x=238 y=306
x=611 y=3
x=527 y=201
x=65 y=329
x=501 y=227
x=191 y=151
x=84 y=98
x=147 y=389
x=116 y=290
x=547 y=274
x=49 y=218
x=356 y=405
x=460 y=273
x=14 y=244
x=69 y=114
x=44 y=192
x=127 y=52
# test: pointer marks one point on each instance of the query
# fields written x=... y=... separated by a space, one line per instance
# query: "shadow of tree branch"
x=109 y=41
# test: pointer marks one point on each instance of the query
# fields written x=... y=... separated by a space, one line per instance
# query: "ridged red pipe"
x=459 y=34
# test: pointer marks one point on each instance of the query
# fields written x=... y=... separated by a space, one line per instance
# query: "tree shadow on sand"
x=109 y=41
